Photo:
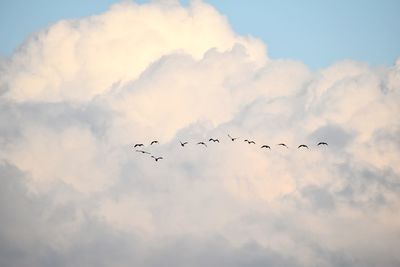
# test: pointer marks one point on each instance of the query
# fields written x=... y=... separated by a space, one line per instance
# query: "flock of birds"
x=215 y=140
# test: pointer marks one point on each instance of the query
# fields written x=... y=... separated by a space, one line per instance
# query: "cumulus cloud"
x=77 y=95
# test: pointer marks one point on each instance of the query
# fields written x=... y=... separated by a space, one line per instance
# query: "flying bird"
x=142 y=151
x=183 y=144
x=214 y=140
x=154 y=142
x=265 y=146
x=300 y=146
x=202 y=143
x=232 y=138
x=282 y=144
x=250 y=141
x=136 y=145
x=322 y=143
x=157 y=158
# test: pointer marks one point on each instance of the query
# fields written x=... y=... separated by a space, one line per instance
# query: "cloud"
x=138 y=35
x=77 y=95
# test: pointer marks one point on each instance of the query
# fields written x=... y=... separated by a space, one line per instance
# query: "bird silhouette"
x=265 y=146
x=183 y=144
x=136 y=145
x=282 y=144
x=232 y=138
x=202 y=143
x=142 y=151
x=157 y=158
x=249 y=141
x=300 y=146
x=214 y=140
x=322 y=143
x=154 y=142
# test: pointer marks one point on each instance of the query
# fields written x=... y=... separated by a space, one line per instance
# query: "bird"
x=232 y=138
x=214 y=140
x=136 y=145
x=282 y=144
x=250 y=142
x=265 y=146
x=157 y=158
x=202 y=143
x=183 y=144
x=142 y=151
x=154 y=142
x=322 y=143
x=300 y=146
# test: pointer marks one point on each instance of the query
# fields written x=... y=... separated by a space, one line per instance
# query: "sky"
x=318 y=33
x=78 y=94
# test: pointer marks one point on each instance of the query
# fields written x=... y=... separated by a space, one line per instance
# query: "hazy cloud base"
x=77 y=95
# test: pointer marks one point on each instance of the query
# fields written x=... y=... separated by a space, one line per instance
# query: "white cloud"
x=77 y=95
x=77 y=60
